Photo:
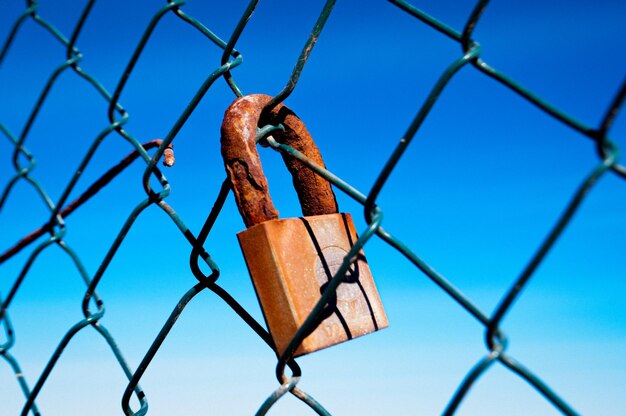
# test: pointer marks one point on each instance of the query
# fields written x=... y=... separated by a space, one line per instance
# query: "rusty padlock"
x=291 y=260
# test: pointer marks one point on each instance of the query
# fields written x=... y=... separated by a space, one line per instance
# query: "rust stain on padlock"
x=292 y=260
x=244 y=167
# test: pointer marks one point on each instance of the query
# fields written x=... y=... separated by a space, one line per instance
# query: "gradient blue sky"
x=478 y=189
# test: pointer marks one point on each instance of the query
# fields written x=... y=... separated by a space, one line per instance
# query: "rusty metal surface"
x=288 y=286
x=98 y=185
x=243 y=165
x=168 y=156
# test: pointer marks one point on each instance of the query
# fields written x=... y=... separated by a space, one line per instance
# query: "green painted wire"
x=303 y=58
x=495 y=339
x=229 y=49
x=12 y=361
x=16 y=26
x=73 y=56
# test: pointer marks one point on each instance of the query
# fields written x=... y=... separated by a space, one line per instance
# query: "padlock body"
x=291 y=261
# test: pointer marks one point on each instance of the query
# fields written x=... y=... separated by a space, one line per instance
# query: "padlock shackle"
x=243 y=165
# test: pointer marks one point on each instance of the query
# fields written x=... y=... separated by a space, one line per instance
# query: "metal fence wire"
x=288 y=373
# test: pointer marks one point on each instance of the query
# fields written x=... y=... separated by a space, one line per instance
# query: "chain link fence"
x=61 y=205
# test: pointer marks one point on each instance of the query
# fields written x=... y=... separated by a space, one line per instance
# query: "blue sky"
x=474 y=195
